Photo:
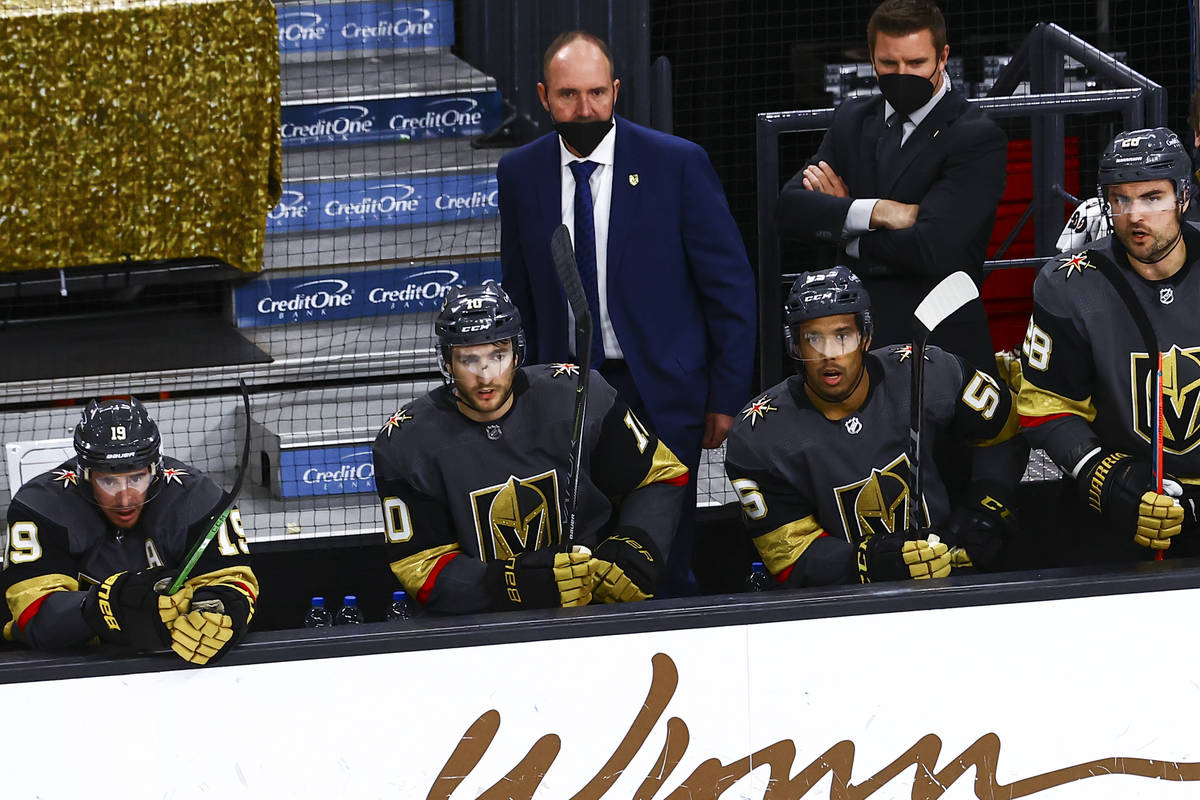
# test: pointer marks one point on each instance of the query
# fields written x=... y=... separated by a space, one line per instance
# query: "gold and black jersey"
x=60 y=544
x=453 y=487
x=1087 y=378
x=800 y=476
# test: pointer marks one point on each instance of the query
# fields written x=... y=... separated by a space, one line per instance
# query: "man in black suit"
x=908 y=183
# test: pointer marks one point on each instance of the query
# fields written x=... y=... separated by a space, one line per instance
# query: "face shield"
x=826 y=345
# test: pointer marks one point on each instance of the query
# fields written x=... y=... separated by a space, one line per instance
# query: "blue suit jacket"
x=681 y=293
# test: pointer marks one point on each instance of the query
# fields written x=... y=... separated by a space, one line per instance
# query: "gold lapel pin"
x=633 y=179
x=935 y=133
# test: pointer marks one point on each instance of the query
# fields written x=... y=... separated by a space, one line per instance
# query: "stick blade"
x=952 y=293
x=562 y=251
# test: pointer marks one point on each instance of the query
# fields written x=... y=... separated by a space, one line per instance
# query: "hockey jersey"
x=1087 y=378
x=60 y=544
x=457 y=493
x=801 y=476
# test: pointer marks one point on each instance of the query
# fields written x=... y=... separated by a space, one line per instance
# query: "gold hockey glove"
x=1117 y=486
x=541 y=579
x=627 y=566
x=216 y=619
x=889 y=557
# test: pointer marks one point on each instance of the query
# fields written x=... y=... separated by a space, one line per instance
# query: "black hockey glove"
x=891 y=557
x=626 y=566
x=976 y=531
x=216 y=619
x=124 y=609
x=1118 y=487
x=543 y=578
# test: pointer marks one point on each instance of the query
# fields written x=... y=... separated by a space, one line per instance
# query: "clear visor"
x=110 y=483
x=827 y=345
x=1143 y=204
x=485 y=365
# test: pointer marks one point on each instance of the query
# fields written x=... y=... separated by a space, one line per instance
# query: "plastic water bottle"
x=400 y=610
x=757 y=580
x=318 y=615
x=349 y=613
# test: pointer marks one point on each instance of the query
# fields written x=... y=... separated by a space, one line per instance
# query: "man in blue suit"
x=660 y=257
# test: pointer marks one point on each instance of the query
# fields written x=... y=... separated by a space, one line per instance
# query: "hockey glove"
x=542 y=578
x=216 y=620
x=891 y=557
x=1117 y=486
x=124 y=609
x=626 y=567
x=977 y=530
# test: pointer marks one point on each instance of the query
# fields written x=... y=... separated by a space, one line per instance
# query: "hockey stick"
x=220 y=512
x=1158 y=437
x=952 y=293
x=1142 y=321
x=563 y=253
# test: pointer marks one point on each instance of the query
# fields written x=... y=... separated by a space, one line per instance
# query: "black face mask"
x=906 y=93
x=583 y=137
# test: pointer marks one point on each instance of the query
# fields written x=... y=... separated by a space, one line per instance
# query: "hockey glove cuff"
x=124 y=609
x=633 y=552
x=977 y=530
x=889 y=557
x=1118 y=487
x=541 y=579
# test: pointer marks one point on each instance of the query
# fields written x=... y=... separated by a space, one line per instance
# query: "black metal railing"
x=1130 y=103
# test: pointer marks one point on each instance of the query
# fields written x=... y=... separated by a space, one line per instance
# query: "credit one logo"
x=322 y=294
x=353 y=469
x=336 y=121
x=401 y=199
x=452 y=112
x=391 y=29
x=301 y=26
x=430 y=285
x=291 y=206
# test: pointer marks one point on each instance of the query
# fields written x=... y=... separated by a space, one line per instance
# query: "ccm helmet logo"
x=478 y=326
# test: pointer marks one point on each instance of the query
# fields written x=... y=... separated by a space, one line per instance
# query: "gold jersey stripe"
x=1012 y=426
x=781 y=547
x=1036 y=402
x=414 y=570
x=664 y=467
x=24 y=593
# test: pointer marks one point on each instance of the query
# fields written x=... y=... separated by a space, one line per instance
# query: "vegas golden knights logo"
x=517 y=515
x=1181 y=397
x=878 y=503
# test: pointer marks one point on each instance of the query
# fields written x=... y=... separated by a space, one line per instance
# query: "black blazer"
x=953 y=166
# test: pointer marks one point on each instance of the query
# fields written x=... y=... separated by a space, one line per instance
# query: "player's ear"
x=543 y=96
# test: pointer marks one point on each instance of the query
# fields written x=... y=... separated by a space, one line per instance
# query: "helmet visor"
x=1125 y=202
x=111 y=483
x=483 y=361
x=827 y=345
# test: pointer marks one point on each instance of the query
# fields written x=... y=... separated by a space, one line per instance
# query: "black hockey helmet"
x=117 y=436
x=1149 y=154
x=823 y=293
x=479 y=314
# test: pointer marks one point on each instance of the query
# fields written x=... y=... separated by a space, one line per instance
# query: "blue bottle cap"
x=757 y=566
x=350 y=600
x=318 y=602
x=399 y=596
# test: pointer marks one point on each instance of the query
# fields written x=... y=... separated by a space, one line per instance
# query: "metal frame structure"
x=1141 y=103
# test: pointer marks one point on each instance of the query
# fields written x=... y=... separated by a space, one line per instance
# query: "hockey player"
x=819 y=461
x=471 y=477
x=94 y=544
x=1088 y=393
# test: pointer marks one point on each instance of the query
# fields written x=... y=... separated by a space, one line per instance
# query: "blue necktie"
x=585 y=252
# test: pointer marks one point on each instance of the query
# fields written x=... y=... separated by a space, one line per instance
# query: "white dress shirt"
x=601 y=185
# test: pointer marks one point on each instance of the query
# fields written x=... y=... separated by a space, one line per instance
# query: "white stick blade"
x=955 y=291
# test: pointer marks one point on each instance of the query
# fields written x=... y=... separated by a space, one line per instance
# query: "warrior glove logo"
x=1181 y=397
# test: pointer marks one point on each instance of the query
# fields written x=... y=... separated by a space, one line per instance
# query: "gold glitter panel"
x=137 y=131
